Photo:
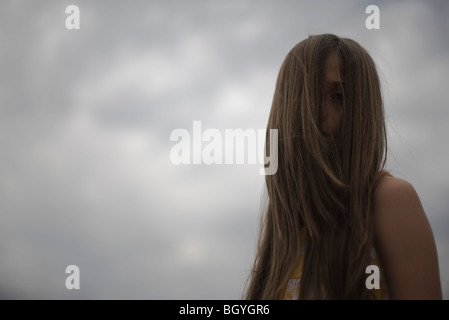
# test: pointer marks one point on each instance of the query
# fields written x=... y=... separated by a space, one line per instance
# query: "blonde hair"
x=324 y=183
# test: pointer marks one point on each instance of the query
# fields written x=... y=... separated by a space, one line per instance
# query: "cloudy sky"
x=86 y=117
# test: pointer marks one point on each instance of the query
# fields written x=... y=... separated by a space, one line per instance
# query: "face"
x=333 y=100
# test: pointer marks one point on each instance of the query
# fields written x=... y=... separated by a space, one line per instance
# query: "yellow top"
x=293 y=285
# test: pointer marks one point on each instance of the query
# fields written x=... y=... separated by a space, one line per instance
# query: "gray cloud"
x=85 y=120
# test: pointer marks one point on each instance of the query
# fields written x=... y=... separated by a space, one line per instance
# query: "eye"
x=338 y=97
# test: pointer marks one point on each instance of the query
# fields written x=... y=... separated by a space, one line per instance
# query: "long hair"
x=325 y=182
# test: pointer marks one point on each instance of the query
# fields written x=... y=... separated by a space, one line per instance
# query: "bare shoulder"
x=405 y=241
x=398 y=211
x=392 y=189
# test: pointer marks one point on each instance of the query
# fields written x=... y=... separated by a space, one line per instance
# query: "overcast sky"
x=86 y=117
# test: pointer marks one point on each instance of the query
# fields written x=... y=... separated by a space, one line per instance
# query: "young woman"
x=332 y=208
